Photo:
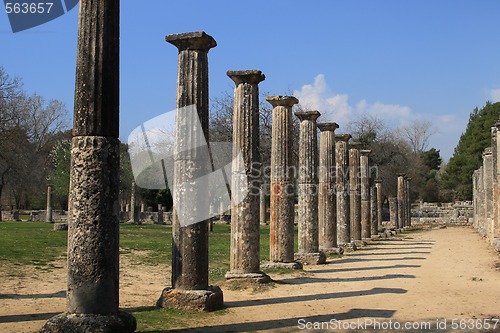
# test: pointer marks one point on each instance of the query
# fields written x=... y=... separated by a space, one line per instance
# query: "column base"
x=209 y=299
x=496 y=244
x=349 y=247
x=285 y=265
x=332 y=250
x=359 y=243
x=60 y=226
x=316 y=258
x=259 y=277
x=122 y=322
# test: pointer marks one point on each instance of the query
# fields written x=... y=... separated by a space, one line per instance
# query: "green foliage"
x=467 y=155
x=432 y=159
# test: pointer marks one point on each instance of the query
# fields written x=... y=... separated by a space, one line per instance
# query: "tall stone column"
x=93 y=231
x=488 y=192
x=393 y=211
x=401 y=202
x=373 y=212
x=281 y=238
x=355 y=191
x=49 y=203
x=327 y=200
x=380 y=201
x=190 y=287
x=342 y=186
x=262 y=204
x=245 y=212
x=133 y=206
x=496 y=156
x=481 y=203
x=365 y=194
x=308 y=190
x=408 y=202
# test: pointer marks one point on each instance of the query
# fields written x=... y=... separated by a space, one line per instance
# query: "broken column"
x=373 y=213
x=49 y=204
x=342 y=187
x=378 y=186
x=133 y=209
x=365 y=194
x=355 y=192
x=92 y=296
x=393 y=211
x=190 y=288
x=327 y=200
x=401 y=201
x=281 y=233
x=245 y=208
x=308 y=190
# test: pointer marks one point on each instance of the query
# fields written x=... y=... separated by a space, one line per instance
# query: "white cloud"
x=495 y=95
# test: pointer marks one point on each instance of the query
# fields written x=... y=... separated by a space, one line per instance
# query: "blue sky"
x=398 y=60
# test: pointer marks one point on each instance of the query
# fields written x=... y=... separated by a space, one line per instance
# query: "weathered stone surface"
x=496 y=245
x=281 y=237
x=393 y=211
x=285 y=265
x=245 y=214
x=349 y=247
x=120 y=322
x=263 y=207
x=373 y=211
x=332 y=250
x=378 y=185
x=317 y=258
x=208 y=299
x=408 y=201
x=327 y=198
x=401 y=201
x=190 y=242
x=133 y=209
x=355 y=190
x=342 y=183
x=308 y=183
x=365 y=194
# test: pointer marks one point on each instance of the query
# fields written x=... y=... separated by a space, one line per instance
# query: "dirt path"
x=421 y=280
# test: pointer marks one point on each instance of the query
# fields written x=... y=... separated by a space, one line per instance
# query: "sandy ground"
x=446 y=277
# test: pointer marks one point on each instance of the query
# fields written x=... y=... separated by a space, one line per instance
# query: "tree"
x=467 y=156
x=432 y=159
x=417 y=134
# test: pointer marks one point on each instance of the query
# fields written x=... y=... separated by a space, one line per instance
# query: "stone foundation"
x=88 y=323
x=210 y=299
x=332 y=250
x=260 y=277
x=285 y=265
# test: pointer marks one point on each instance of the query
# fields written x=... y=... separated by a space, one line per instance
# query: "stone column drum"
x=378 y=186
x=355 y=191
x=327 y=198
x=308 y=190
x=393 y=211
x=245 y=212
x=365 y=194
x=93 y=231
x=373 y=213
x=342 y=186
x=281 y=238
x=488 y=192
x=49 y=204
x=190 y=289
x=401 y=202
x=133 y=209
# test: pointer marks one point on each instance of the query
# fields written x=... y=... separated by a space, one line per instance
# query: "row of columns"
x=486 y=192
x=400 y=206
x=93 y=236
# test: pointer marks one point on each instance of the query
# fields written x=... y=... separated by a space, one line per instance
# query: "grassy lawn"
x=37 y=244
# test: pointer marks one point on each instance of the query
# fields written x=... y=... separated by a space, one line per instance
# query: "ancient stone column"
x=496 y=175
x=408 y=202
x=481 y=203
x=190 y=287
x=373 y=213
x=401 y=202
x=262 y=204
x=143 y=208
x=378 y=185
x=245 y=212
x=133 y=209
x=475 y=198
x=327 y=200
x=281 y=238
x=488 y=192
x=49 y=203
x=342 y=186
x=365 y=194
x=355 y=191
x=93 y=234
x=393 y=211
x=308 y=190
